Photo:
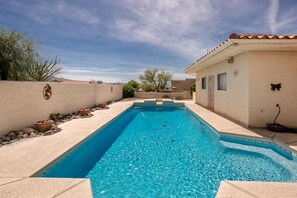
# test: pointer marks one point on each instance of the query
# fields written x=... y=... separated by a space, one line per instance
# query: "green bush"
x=193 y=89
x=148 y=87
x=129 y=89
x=179 y=98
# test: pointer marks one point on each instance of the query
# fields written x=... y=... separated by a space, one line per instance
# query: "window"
x=203 y=83
x=222 y=81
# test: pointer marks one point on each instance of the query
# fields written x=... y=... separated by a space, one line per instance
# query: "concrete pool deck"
x=21 y=159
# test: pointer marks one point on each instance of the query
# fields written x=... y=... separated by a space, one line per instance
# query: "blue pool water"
x=168 y=151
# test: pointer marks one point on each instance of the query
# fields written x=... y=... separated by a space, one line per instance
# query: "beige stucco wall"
x=234 y=102
x=148 y=95
x=22 y=103
x=182 y=85
x=267 y=68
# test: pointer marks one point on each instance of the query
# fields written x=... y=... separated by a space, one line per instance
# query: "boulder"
x=12 y=135
x=3 y=138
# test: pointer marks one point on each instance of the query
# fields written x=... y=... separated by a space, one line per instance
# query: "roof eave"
x=193 y=66
x=250 y=44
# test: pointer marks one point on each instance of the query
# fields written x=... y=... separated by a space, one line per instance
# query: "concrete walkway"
x=243 y=189
x=23 y=158
x=221 y=124
x=45 y=187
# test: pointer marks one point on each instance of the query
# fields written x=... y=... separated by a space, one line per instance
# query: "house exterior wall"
x=272 y=67
x=22 y=103
x=182 y=85
x=233 y=102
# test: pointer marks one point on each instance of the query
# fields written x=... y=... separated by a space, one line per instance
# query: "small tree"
x=19 y=59
x=16 y=51
x=43 y=70
x=148 y=87
x=156 y=78
x=129 y=89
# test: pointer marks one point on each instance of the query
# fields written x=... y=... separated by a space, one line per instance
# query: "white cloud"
x=282 y=21
x=272 y=15
x=103 y=74
x=50 y=12
x=77 y=13
x=173 y=25
x=112 y=74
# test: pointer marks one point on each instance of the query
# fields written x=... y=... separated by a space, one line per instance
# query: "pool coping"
x=20 y=168
x=233 y=129
x=45 y=187
x=252 y=189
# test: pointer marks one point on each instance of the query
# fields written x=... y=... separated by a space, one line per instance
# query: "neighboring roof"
x=187 y=79
x=236 y=38
x=64 y=80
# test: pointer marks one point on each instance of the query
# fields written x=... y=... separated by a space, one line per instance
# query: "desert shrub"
x=129 y=89
x=148 y=87
x=192 y=88
x=178 y=97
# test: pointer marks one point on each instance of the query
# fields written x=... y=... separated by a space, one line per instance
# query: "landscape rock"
x=28 y=130
x=33 y=135
x=12 y=135
x=48 y=132
x=54 y=126
x=14 y=140
x=57 y=130
x=58 y=118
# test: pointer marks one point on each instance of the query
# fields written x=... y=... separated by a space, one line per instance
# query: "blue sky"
x=116 y=40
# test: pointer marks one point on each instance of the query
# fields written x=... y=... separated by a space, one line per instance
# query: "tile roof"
x=247 y=36
x=261 y=36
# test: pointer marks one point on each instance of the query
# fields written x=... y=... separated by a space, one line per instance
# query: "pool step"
x=161 y=102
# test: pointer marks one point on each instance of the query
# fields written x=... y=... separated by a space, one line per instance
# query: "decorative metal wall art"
x=276 y=86
x=235 y=73
x=47 y=91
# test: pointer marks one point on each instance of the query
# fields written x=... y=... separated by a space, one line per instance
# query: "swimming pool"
x=159 y=151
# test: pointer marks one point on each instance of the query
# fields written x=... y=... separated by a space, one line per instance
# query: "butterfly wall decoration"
x=276 y=86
